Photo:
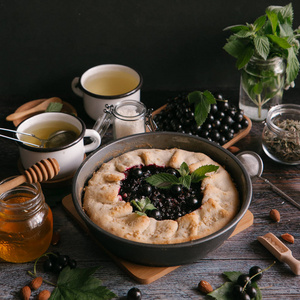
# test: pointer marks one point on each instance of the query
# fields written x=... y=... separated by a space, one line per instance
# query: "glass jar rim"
x=274 y=59
x=141 y=106
x=23 y=187
x=278 y=110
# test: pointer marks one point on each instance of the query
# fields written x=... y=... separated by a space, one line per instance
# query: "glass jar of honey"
x=26 y=223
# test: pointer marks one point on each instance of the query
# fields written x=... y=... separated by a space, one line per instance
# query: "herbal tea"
x=45 y=130
x=111 y=83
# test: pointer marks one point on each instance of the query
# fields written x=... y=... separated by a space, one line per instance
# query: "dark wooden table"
x=238 y=253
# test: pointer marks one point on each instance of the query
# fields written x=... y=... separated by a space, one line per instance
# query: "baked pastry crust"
x=105 y=208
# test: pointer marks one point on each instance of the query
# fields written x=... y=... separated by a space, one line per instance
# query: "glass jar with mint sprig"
x=261 y=87
x=266 y=53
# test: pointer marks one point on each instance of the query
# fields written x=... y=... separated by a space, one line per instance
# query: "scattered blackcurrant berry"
x=134 y=294
x=243 y=279
x=237 y=290
x=72 y=263
x=251 y=291
x=253 y=271
x=48 y=265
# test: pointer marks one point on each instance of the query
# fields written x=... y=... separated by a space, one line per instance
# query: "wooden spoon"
x=36 y=109
x=280 y=251
x=41 y=171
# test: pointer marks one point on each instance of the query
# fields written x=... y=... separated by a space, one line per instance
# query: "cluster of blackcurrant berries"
x=55 y=262
x=169 y=203
x=243 y=290
x=222 y=123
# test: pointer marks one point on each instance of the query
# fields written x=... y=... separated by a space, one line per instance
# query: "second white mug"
x=107 y=84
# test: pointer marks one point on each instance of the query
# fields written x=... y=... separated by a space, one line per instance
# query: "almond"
x=233 y=149
x=204 y=287
x=36 y=283
x=44 y=295
x=288 y=237
x=275 y=215
x=25 y=292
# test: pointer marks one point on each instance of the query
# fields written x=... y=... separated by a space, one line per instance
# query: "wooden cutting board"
x=142 y=274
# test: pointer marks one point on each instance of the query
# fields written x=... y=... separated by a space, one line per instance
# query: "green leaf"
x=79 y=284
x=244 y=57
x=162 y=180
x=234 y=47
x=236 y=28
x=184 y=169
x=223 y=292
x=281 y=42
x=232 y=275
x=262 y=46
x=54 y=107
x=202 y=103
x=259 y=23
x=292 y=67
x=244 y=33
x=200 y=173
x=258 y=291
x=258 y=88
x=272 y=16
x=287 y=13
x=186 y=181
x=166 y=180
x=142 y=205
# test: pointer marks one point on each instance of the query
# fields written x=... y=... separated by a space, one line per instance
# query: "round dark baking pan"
x=171 y=254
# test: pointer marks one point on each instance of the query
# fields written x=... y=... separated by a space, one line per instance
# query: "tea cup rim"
x=119 y=96
x=54 y=149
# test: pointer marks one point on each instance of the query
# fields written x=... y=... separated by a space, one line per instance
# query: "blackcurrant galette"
x=160 y=197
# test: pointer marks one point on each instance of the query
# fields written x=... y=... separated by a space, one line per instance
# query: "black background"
x=176 y=44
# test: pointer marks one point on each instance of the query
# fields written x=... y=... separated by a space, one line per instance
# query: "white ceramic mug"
x=70 y=156
x=95 y=99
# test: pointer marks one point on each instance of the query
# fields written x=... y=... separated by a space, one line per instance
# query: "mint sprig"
x=271 y=35
x=142 y=206
x=202 y=102
x=166 y=180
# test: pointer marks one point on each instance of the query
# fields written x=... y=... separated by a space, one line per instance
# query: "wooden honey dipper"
x=41 y=171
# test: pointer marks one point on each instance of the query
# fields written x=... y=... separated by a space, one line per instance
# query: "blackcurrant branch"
x=34 y=273
x=248 y=281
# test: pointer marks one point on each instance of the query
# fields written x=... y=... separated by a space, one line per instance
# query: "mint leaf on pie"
x=163 y=180
x=80 y=284
x=184 y=169
x=185 y=181
x=142 y=206
x=200 y=173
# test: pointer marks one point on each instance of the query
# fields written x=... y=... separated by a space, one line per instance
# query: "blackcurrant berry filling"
x=171 y=203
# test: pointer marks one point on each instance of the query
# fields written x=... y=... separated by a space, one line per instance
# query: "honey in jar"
x=26 y=223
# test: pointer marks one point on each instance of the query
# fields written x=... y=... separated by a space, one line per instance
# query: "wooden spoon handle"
x=6 y=186
x=36 y=109
x=292 y=262
x=41 y=171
